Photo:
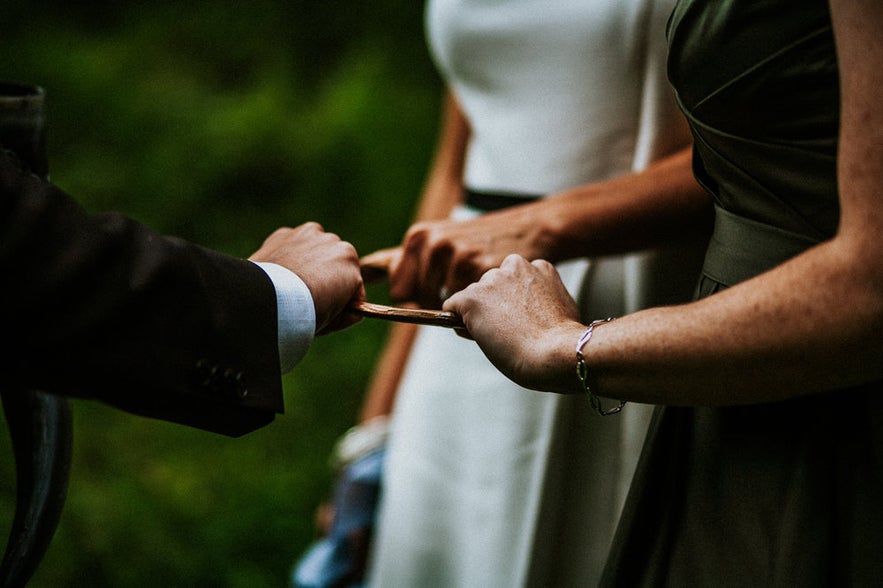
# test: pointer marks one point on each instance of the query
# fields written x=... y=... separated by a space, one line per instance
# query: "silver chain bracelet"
x=582 y=371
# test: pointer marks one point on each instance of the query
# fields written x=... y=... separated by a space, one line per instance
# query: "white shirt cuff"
x=296 y=316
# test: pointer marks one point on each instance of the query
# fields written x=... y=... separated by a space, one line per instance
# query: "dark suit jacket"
x=99 y=306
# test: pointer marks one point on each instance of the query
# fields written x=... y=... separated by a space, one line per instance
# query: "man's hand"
x=327 y=265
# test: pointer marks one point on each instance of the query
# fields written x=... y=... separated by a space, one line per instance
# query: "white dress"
x=488 y=484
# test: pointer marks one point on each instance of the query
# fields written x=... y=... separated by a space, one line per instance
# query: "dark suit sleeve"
x=99 y=306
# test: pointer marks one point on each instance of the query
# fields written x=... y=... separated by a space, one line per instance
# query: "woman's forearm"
x=810 y=325
x=658 y=206
x=655 y=207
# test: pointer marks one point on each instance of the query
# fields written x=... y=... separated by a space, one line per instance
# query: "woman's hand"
x=525 y=322
x=659 y=206
x=448 y=255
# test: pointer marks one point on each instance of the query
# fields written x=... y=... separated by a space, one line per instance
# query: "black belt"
x=741 y=248
x=490 y=201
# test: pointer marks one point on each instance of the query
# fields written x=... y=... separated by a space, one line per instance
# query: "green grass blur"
x=218 y=121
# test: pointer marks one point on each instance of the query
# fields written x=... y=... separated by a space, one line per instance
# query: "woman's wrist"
x=583 y=373
x=555 y=360
x=548 y=222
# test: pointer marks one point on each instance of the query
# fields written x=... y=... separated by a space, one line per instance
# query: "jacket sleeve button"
x=233 y=379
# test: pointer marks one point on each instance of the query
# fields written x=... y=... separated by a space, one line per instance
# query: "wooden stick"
x=437 y=318
x=375 y=268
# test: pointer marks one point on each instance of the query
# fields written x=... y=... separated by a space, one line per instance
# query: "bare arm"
x=636 y=211
x=809 y=325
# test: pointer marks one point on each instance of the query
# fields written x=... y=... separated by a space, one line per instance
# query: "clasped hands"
x=507 y=296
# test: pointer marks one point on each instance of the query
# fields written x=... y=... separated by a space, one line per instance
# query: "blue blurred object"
x=339 y=560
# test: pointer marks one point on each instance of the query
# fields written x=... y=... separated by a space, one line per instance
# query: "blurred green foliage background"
x=219 y=121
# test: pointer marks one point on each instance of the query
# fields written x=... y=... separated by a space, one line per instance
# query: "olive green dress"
x=779 y=494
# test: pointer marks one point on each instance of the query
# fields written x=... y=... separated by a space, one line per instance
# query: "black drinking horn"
x=40 y=424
